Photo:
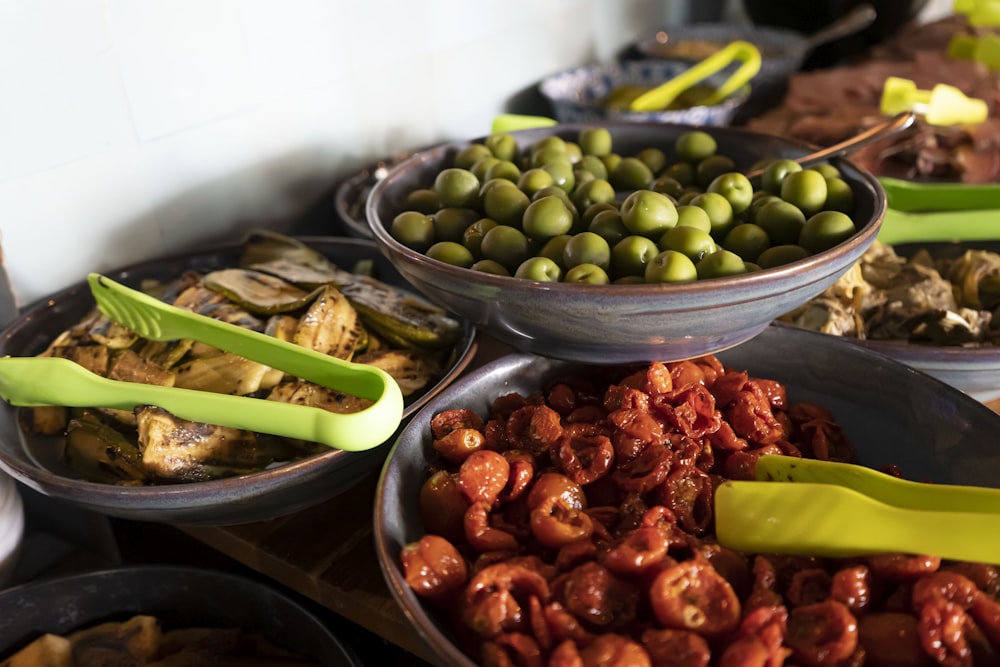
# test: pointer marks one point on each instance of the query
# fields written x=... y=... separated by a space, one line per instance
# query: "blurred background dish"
x=783 y=51
x=351 y=196
x=611 y=322
x=580 y=94
x=182 y=597
x=36 y=460
x=943 y=320
x=890 y=413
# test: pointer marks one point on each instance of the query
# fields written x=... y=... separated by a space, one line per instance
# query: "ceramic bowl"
x=255 y=497
x=891 y=413
x=577 y=94
x=182 y=597
x=614 y=323
x=974 y=370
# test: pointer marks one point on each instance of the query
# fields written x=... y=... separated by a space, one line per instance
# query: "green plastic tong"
x=822 y=508
x=40 y=381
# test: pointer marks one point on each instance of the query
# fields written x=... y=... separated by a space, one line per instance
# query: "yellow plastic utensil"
x=942 y=105
x=661 y=96
x=821 y=508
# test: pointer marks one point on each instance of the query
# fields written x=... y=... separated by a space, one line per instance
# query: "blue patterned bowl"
x=578 y=94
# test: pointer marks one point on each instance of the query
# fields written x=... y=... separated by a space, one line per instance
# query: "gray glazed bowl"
x=183 y=597
x=615 y=323
x=891 y=413
x=35 y=461
x=577 y=94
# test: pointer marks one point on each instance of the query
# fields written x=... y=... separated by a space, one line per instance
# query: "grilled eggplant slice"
x=331 y=325
x=44 y=420
x=206 y=302
x=399 y=316
x=258 y=292
x=225 y=373
x=102 y=454
x=301 y=392
x=95 y=358
x=180 y=450
x=291 y=260
x=411 y=370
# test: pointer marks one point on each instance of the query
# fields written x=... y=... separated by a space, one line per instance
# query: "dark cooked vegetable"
x=399 y=316
x=257 y=292
x=101 y=453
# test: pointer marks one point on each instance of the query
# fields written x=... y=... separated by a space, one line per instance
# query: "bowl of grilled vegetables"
x=934 y=306
x=335 y=296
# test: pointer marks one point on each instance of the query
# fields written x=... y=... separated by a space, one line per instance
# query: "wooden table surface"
x=336 y=564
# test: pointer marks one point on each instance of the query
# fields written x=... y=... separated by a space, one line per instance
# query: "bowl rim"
x=731 y=284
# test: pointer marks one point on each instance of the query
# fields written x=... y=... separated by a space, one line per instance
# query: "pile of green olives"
x=576 y=211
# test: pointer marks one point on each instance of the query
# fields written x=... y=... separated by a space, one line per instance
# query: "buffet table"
x=327 y=553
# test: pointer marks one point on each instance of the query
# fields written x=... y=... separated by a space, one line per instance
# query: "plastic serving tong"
x=661 y=96
x=39 y=381
x=820 y=508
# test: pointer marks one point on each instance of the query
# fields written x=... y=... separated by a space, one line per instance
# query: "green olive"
x=825 y=230
x=503 y=146
x=775 y=172
x=562 y=174
x=457 y=187
x=720 y=212
x=507 y=245
x=554 y=248
x=469 y=155
x=424 y=200
x=806 y=189
x=631 y=173
x=504 y=169
x=587 y=248
x=473 y=236
x=781 y=220
x=667 y=185
x=594 y=165
x=590 y=274
x=610 y=161
x=747 y=240
x=482 y=166
x=839 y=196
x=648 y=213
x=547 y=217
x=735 y=187
x=539 y=268
x=692 y=242
x=689 y=215
x=711 y=167
x=654 y=158
x=720 y=264
x=453 y=253
x=682 y=172
x=533 y=180
x=414 y=230
x=547 y=154
x=608 y=224
x=631 y=255
x=694 y=146
x=591 y=212
x=595 y=141
x=506 y=205
x=780 y=255
x=551 y=141
x=596 y=191
x=490 y=266
x=670 y=266
x=827 y=169
x=450 y=223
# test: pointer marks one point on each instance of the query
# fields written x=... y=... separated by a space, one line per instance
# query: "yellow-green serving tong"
x=40 y=381
x=821 y=508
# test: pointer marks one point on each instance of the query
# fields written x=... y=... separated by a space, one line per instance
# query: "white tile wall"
x=132 y=128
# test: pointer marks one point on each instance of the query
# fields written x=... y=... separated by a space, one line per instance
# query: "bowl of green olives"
x=620 y=242
x=596 y=92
